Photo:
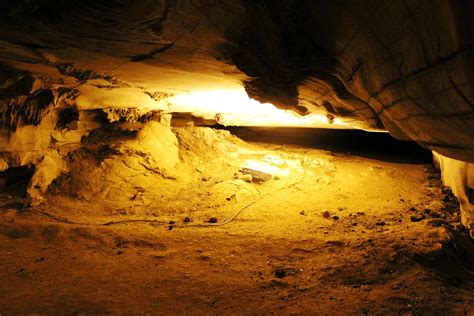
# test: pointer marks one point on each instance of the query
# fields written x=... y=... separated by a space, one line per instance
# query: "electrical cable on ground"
x=127 y=221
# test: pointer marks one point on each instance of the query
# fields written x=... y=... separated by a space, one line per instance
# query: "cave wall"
x=403 y=66
x=459 y=176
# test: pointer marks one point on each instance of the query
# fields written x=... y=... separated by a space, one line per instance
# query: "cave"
x=236 y=157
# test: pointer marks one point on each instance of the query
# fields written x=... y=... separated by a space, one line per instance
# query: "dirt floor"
x=331 y=233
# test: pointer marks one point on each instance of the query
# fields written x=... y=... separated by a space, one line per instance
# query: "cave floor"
x=339 y=234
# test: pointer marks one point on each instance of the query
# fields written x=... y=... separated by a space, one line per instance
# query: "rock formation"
x=401 y=66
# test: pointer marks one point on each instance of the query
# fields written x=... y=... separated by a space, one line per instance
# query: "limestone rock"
x=459 y=176
x=401 y=66
x=51 y=167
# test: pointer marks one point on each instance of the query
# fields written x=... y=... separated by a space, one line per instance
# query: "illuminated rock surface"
x=403 y=66
x=87 y=89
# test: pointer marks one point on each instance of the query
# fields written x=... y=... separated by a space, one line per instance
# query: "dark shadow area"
x=14 y=181
x=453 y=262
x=379 y=146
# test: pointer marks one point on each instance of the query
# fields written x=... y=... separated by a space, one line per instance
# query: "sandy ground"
x=334 y=234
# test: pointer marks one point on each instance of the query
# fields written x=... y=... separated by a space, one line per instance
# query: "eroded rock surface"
x=403 y=66
x=459 y=176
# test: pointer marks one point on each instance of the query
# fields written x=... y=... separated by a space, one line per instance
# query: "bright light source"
x=235 y=108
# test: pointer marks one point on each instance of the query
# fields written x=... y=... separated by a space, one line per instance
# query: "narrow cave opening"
x=380 y=146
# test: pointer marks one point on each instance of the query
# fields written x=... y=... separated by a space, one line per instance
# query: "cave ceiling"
x=401 y=66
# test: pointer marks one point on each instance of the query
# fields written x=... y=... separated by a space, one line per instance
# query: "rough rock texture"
x=400 y=65
x=459 y=176
x=49 y=169
x=404 y=66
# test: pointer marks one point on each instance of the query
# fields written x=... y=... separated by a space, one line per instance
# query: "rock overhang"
x=396 y=66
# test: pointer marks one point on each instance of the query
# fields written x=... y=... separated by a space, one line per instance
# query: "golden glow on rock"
x=235 y=108
x=274 y=165
x=265 y=167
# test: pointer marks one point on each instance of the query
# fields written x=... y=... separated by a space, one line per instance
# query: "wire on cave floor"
x=128 y=221
x=186 y=225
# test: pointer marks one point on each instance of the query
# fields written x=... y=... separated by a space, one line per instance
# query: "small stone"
x=326 y=214
x=412 y=209
x=335 y=217
x=213 y=220
x=187 y=220
x=303 y=213
x=381 y=223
